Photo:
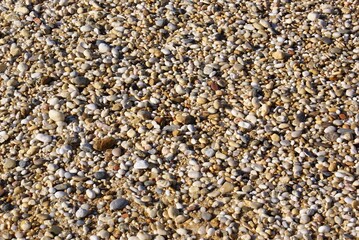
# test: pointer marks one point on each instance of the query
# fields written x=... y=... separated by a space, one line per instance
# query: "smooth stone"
x=90 y=194
x=330 y=129
x=209 y=152
x=9 y=163
x=220 y=155
x=56 y=230
x=206 y=216
x=143 y=236
x=22 y=67
x=278 y=55
x=296 y=134
x=25 y=225
x=172 y=212
x=304 y=219
x=117 y=152
x=81 y=213
x=104 y=48
x=247 y=188
x=22 y=10
x=160 y=22
x=118 y=204
x=275 y=137
x=208 y=70
x=56 y=116
x=131 y=133
x=312 y=16
x=86 y=28
x=43 y=138
x=100 y=175
x=2 y=67
x=144 y=115
x=181 y=231
x=244 y=125
x=141 y=164
x=194 y=174
x=226 y=188
x=60 y=194
x=180 y=90
x=324 y=229
x=80 y=81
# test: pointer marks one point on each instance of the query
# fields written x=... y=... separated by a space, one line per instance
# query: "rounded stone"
x=118 y=204
x=56 y=116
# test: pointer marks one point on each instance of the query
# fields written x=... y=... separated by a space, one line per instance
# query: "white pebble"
x=324 y=229
x=56 y=116
x=43 y=138
x=313 y=16
x=141 y=164
x=104 y=48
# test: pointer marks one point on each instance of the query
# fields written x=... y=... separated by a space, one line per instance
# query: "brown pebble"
x=104 y=143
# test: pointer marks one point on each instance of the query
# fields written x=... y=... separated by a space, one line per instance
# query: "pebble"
x=100 y=175
x=324 y=229
x=278 y=55
x=56 y=116
x=104 y=48
x=141 y=164
x=9 y=163
x=90 y=194
x=22 y=67
x=209 y=152
x=226 y=188
x=22 y=10
x=172 y=212
x=312 y=16
x=81 y=213
x=244 y=125
x=118 y=204
x=43 y=138
x=178 y=119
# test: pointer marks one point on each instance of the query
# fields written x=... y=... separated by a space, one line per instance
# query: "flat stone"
x=56 y=230
x=100 y=175
x=80 y=81
x=141 y=164
x=194 y=174
x=324 y=229
x=2 y=67
x=43 y=138
x=104 y=143
x=226 y=188
x=9 y=163
x=247 y=188
x=220 y=155
x=118 y=204
x=22 y=10
x=244 y=125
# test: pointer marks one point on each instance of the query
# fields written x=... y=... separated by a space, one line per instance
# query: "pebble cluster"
x=179 y=119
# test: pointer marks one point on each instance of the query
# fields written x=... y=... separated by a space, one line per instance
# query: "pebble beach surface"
x=177 y=119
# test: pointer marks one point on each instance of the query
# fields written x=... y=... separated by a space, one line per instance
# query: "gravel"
x=179 y=119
